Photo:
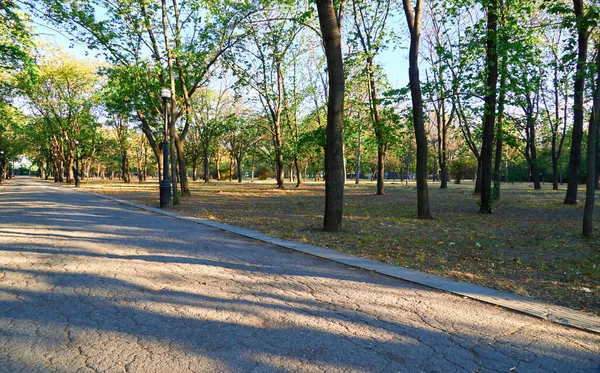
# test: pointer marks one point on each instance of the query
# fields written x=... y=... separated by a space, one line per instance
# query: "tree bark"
x=298 y=167
x=330 y=20
x=358 y=155
x=238 y=161
x=413 y=18
x=206 y=163
x=590 y=190
x=487 y=142
x=182 y=162
x=578 y=105
x=380 y=168
x=499 y=130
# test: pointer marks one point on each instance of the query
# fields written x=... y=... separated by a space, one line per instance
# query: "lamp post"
x=165 y=183
x=1 y=165
x=77 y=181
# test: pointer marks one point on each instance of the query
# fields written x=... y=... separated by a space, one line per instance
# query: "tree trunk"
x=195 y=169
x=206 y=163
x=597 y=156
x=140 y=169
x=125 y=176
x=218 y=164
x=173 y=155
x=477 y=190
x=231 y=167
x=554 y=173
x=279 y=172
x=298 y=166
x=238 y=161
x=182 y=162
x=380 y=169
x=358 y=155
x=532 y=159
x=578 y=105
x=487 y=142
x=499 y=132
x=413 y=19
x=590 y=192
x=330 y=24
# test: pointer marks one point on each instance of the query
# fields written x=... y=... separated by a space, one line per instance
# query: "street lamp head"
x=165 y=93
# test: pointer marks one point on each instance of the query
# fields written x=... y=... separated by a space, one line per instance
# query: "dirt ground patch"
x=532 y=244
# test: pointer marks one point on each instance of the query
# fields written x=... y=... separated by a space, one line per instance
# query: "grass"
x=531 y=245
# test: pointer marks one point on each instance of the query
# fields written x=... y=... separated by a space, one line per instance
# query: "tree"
x=556 y=114
x=15 y=39
x=330 y=20
x=413 y=18
x=583 y=25
x=490 y=106
x=438 y=88
x=195 y=36
x=592 y=146
x=370 y=19
x=63 y=95
x=262 y=64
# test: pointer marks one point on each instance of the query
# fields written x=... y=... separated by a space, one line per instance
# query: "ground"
x=531 y=245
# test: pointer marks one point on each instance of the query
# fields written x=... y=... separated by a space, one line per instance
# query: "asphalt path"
x=90 y=285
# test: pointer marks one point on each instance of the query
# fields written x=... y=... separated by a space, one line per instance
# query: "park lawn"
x=531 y=245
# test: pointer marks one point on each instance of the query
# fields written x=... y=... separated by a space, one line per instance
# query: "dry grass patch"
x=531 y=245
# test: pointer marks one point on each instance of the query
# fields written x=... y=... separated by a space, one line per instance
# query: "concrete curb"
x=532 y=307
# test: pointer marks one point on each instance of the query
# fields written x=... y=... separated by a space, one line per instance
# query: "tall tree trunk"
x=500 y=131
x=477 y=190
x=279 y=171
x=408 y=162
x=487 y=143
x=140 y=169
x=206 y=163
x=125 y=175
x=330 y=20
x=532 y=158
x=182 y=162
x=578 y=105
x=195 y=169
x=380 y=168
x=590 y=190
x=231 y=167
x=218 y=163
x=597 y=155
x=358 y=155
x=413 y=18
x=238 y=161
x=298 y=167
x=173 y=156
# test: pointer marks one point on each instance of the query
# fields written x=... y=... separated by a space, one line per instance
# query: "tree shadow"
x=121 y=289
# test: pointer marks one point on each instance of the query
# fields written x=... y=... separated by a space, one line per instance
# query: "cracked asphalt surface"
x=89 y=285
